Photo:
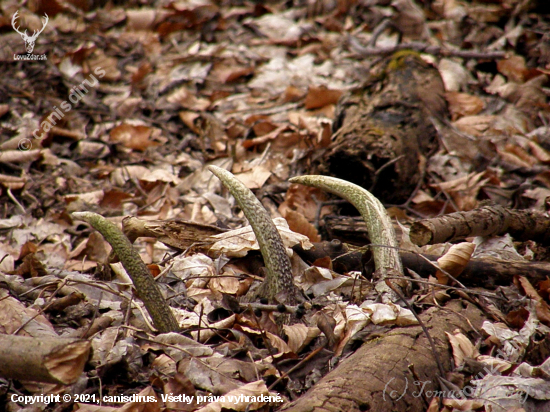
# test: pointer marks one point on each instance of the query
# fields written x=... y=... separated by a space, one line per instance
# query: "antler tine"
x=13 y=24
x=46 y=19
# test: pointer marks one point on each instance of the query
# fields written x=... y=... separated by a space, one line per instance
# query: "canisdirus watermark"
x=29 y=40
x=76 y=94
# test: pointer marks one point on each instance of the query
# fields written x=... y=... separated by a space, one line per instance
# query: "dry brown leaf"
x=321 y=96
x=188 y=99
x=133 y=137
x=261 y=125
x=517 y=156
x=13 y=314
x=99 y=62
x=463 y=104
x=316 y=125
x=19 y=156
x=474 y=125
x=542 y=308
x=299 y=224
x=299 y=336
x=513 y=68
x=91 y=198
x=121 y=175
x=144 y=18
x=228 y=74
x=254 y=178
x=247 y=144
x=462 y=348
x=224 y=284
x=539 y=152
x=454 y=261
x=237 y=243
x=454 y=75
x=301 y=199
x=464 y=190
x=293 y=94
x=485 y=13
x=410 y=19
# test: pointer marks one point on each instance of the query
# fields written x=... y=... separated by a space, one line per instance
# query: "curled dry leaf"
x=254 y=178
x=462 y=348
x=299 y=336
x=474 y=125
x=318 y=97
x=454 y=261
x=12 y=182
x=513 y=68
x=19 y=156
x=454 y=75
x=299 y=224
x=389 y=313
x=463 y=104
x=237 y=243
x=133 y=137
x=303 y=200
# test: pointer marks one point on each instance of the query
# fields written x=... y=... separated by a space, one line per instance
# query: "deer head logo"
x=29 y=40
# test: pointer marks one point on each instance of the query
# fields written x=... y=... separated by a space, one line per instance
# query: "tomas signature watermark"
x=480 y=384
x=419 y=389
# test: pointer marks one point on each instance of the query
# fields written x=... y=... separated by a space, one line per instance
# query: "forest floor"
x=124 y=106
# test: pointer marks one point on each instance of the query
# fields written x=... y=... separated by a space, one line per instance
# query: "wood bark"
x=378 y=373
x=383 y=128
x=484 y=221
x=48 y=360
x=176 y=233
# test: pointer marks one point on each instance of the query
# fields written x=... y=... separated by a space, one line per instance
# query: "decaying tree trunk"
x=48 y=360
x=383 y=128
x=378 y=373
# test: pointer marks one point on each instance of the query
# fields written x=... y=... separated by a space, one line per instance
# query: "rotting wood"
x=176 y=233
x=42 y=359
x=383 y=128
x=377 y=374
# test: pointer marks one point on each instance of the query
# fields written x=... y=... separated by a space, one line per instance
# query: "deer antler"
x=24 y=35
x=29 y=40
x=46 y=19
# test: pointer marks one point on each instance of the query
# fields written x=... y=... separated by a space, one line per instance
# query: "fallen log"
x=378 y=376
x=47 y=360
